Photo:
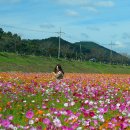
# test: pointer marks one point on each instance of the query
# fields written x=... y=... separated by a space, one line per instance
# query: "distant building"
x=92 y=59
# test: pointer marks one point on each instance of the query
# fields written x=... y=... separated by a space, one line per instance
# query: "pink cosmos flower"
x=29 y=114
x=75 y=125
x=57 y=88
x=10 y=117
x=111 y=125
x=101 y=110
x=124 y=125
x=44 y=106
x=46 y=121
x=92 y=128
x=66 y=128
x=33 y=128
x=5 y=123
x=95 y=122
x=114 y=120
x=112 y=107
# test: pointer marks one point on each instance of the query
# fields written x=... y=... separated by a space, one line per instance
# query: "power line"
x=23 y=28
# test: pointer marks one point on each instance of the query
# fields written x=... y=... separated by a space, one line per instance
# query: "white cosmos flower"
x=79 y=128
x=129 y=115
x=86 y=101
x=108 y=100
x=123 y=113
x=128 y=102
x=117 y=105
x=101 y=118
x=95 y=117
x=48 y=114
x=55 y=112
x=86 y=123
x=100 y=101
x=63 y=112
x=72 y=103
x=47 y=91
x=72 y=117
x=66 y=104
x=57 y=122
x=91 y=103
x=11 y=126
x=57 y=100
x=31 y=122
x=15 y=128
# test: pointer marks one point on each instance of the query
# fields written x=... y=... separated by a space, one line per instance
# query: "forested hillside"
x=82 y=51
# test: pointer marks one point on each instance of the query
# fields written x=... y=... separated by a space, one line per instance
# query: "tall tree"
x=1 y=32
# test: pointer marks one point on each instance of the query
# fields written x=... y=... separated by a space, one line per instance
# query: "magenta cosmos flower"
x=29 y=114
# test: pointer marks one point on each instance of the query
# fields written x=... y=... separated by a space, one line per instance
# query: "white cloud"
x=73 y=2
x=72 y=13
x=47 y=26
x=85 y=35
x=119 y=44
x=126 y=35
x=100 y=3
x=89 y=5
x=92 y=9
x=105 y=4
x=93 y=28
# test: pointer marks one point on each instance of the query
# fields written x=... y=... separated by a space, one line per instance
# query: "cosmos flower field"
x=36 y=101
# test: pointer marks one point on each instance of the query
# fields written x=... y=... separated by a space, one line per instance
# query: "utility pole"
x=80 y=52
x=76 y=55
x=59 y=44
x=59 y=48
x=111 y=55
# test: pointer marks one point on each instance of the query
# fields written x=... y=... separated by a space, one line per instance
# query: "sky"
x=100 y=21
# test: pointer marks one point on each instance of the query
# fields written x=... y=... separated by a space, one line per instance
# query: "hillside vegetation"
x=13 y=62
x=83 y=51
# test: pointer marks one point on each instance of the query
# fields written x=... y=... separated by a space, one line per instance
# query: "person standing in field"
x=58 y=72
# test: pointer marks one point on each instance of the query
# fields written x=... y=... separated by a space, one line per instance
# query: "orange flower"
x=74 y=120
x=40 y=112
x=8 y=103
x=0 y=109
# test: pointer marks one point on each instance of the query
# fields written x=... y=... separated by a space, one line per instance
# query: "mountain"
x=82 y=51
x=98 y=52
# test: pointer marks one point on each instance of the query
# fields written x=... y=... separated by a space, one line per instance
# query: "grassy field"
x=13 y=62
